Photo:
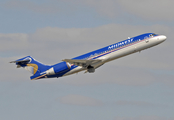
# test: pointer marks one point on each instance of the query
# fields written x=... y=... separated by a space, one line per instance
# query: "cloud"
x=97 y=34
x=143 y=118
x=45 y=8
x=113 y=74
x=13 y=41
x=136 y=103
x=109 y=8
x=54 y=34
x=65 y=6
x=79 y=100
x=150 y=9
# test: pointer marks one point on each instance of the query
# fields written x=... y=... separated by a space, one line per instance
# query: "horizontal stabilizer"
x=20 y=61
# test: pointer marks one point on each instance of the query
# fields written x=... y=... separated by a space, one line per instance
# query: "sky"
x=136 y=87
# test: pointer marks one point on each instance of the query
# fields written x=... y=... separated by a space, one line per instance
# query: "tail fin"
x=31 y=65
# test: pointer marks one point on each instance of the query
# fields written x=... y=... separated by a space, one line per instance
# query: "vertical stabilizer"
x=31 y=65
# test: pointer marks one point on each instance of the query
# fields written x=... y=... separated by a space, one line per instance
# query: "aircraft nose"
x=162 y=38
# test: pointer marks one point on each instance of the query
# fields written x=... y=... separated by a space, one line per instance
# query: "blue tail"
x=31 y=65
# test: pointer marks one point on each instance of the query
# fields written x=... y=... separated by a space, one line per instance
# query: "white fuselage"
x=139 y=46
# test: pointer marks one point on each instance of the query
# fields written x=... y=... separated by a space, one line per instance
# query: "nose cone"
x=162 y=38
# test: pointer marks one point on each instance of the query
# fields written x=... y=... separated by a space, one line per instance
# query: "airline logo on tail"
x=34 y=67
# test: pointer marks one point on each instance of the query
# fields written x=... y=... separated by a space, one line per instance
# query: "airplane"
x=92 y=60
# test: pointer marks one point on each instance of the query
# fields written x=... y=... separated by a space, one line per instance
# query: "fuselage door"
x=146 y=39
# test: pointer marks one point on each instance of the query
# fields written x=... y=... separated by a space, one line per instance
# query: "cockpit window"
x=151 y=35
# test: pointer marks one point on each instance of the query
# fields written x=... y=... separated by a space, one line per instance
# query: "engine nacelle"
x=58 y=68
x=90 y=69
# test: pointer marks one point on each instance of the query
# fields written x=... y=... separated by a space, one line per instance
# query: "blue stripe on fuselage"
x=116 y=46
x=112 y=48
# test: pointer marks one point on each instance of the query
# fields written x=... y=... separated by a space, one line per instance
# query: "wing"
x=83 y=63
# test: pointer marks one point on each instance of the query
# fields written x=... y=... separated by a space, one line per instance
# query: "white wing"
x=83 y=63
